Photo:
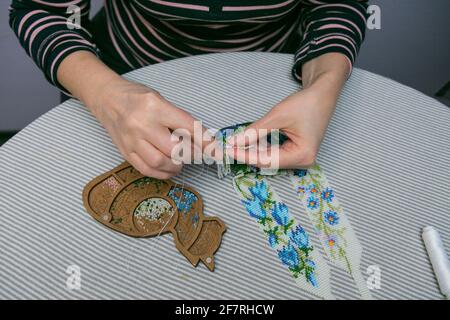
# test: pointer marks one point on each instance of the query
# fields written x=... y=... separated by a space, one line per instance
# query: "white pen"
x=438 y=258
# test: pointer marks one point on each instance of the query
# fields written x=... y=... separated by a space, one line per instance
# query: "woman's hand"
x=138 y=119
x=303 y=117
x=140 y=122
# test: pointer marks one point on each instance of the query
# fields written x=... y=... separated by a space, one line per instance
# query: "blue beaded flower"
x=280 y=213
x=311 y=276
x=260 y=191
x=299 y=237
x=273 y=239
x=331 y=217
x=254 y=208
x=313 y=188
x=313 y=203
x=289 y=256
x=332 y=241
x=328 y=194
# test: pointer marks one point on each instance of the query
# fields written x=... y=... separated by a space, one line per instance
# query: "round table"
x=386 y=153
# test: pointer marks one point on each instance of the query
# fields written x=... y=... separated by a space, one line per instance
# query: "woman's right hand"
x=140 y=122
x=138 y=119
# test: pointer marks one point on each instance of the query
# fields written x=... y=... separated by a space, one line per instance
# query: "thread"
x=438 y=258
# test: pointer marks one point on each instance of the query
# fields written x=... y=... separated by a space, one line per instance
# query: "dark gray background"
x=412 y=47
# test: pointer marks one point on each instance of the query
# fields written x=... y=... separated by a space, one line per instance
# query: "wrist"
x=328 y=69
x=327 y=85
x=87 y=78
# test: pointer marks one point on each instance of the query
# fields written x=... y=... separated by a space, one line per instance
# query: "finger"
x=183 y=149
x=255 y=157
x=256 y=131
x=186 y=152
x=177 y=145
x=287 y=156
x=136 y=161
x=155 y=159
x=161 y=138
x=177 y=119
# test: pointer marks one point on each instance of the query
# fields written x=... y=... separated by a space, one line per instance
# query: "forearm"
x=323 y=80
x=329 y=71
x=87 y=78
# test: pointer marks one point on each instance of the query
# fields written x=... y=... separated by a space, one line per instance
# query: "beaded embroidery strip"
x=330 y=223
x=319 y=200
x=285 y=235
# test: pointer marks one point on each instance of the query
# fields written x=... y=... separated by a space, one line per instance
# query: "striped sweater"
x=129 y=34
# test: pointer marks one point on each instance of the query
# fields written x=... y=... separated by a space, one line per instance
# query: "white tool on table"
x=438 y=258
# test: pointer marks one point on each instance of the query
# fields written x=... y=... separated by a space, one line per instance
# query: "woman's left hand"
x=303 y=117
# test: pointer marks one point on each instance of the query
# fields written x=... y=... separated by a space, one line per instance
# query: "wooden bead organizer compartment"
x=138 y=206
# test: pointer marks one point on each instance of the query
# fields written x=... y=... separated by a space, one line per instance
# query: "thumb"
x=254 y=132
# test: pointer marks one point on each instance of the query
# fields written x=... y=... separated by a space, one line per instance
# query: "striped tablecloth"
x=386 y=153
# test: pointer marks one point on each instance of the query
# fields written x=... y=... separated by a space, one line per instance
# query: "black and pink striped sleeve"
x=43 y=31
x=330 y=26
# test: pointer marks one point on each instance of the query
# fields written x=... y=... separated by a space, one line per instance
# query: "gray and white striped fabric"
x=386 y=153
